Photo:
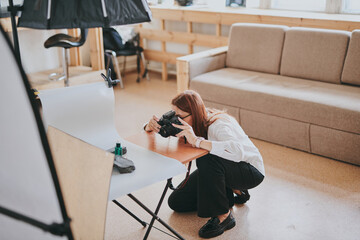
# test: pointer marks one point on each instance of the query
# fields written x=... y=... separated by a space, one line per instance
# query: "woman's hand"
x=187 y=132
x=153 y=125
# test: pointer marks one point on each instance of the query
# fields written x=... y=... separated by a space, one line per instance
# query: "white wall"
x=36 y=58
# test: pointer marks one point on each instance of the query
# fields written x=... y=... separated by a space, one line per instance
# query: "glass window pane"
x=352 y=6
x=303 y=5
x=216 y=3
x=4 y=3
x=252 y=3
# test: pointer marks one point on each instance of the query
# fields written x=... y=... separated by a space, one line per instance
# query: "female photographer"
x=233 y=164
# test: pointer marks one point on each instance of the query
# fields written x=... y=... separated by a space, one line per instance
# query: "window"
x=5 y=3
x=252 y=3
x=303 y=5
x=328 y=6
x=351 y=6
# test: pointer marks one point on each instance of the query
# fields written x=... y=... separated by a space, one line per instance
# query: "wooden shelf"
x=228 y=16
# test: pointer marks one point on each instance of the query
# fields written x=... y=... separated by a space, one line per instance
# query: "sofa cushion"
x=324 y=104
x=351 y=71
x=256 y=47
x=316 y=54
x=275 y=129
x=335 y=144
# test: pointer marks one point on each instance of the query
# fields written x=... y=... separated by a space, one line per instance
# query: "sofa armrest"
x=192 y=65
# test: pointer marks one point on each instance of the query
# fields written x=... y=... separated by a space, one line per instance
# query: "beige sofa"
x=297 y=87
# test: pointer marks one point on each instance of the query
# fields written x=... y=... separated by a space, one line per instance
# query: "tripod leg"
x=115 y=65
x=154 y=214
x=118 y=73
x=130 y=213
x=145 y=63
x=138 y=67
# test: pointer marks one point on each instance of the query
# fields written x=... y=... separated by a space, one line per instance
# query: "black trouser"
x=209 y=188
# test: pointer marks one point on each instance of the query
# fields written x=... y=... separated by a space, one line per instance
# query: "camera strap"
x=171 y=186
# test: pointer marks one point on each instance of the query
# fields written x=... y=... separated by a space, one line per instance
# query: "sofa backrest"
x=351 y=71
x=256 y=47
x=316 y=54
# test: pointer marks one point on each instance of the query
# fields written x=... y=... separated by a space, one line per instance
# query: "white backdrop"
x=87 y=112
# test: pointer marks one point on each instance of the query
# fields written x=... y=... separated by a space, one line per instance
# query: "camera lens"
x=163 y=132
x=167 y=129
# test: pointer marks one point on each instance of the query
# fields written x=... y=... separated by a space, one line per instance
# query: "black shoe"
x=243 y=198
x=214 y=228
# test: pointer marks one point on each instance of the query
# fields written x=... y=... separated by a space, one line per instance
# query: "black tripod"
x=58 y=229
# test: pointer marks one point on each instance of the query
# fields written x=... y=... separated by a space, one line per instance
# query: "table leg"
x=130 y=213
x=154 y=215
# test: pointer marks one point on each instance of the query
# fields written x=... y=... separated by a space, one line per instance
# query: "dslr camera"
x=167 y=129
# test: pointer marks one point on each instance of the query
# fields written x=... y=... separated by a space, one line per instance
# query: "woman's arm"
x=230 y=142
x=227 y=141
x=188 y=132
x=206 y=144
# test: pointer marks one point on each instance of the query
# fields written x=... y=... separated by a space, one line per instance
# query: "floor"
x=303 y=196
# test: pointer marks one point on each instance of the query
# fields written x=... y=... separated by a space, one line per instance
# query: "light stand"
x=62 y=229
x=13 y=12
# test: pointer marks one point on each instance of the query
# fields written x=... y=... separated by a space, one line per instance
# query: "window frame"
x=332 y=6
x=348 y=11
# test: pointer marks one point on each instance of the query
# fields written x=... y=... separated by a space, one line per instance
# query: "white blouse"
x=230 y=142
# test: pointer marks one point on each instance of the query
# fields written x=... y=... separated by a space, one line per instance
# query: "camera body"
x=167 y=129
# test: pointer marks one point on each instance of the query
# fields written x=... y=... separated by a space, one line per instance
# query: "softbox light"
x=29 y=186
x=60 y=14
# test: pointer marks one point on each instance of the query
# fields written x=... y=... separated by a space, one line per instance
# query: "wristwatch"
x=198 y=141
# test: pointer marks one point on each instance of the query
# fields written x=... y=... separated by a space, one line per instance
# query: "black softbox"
x=59 y=14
